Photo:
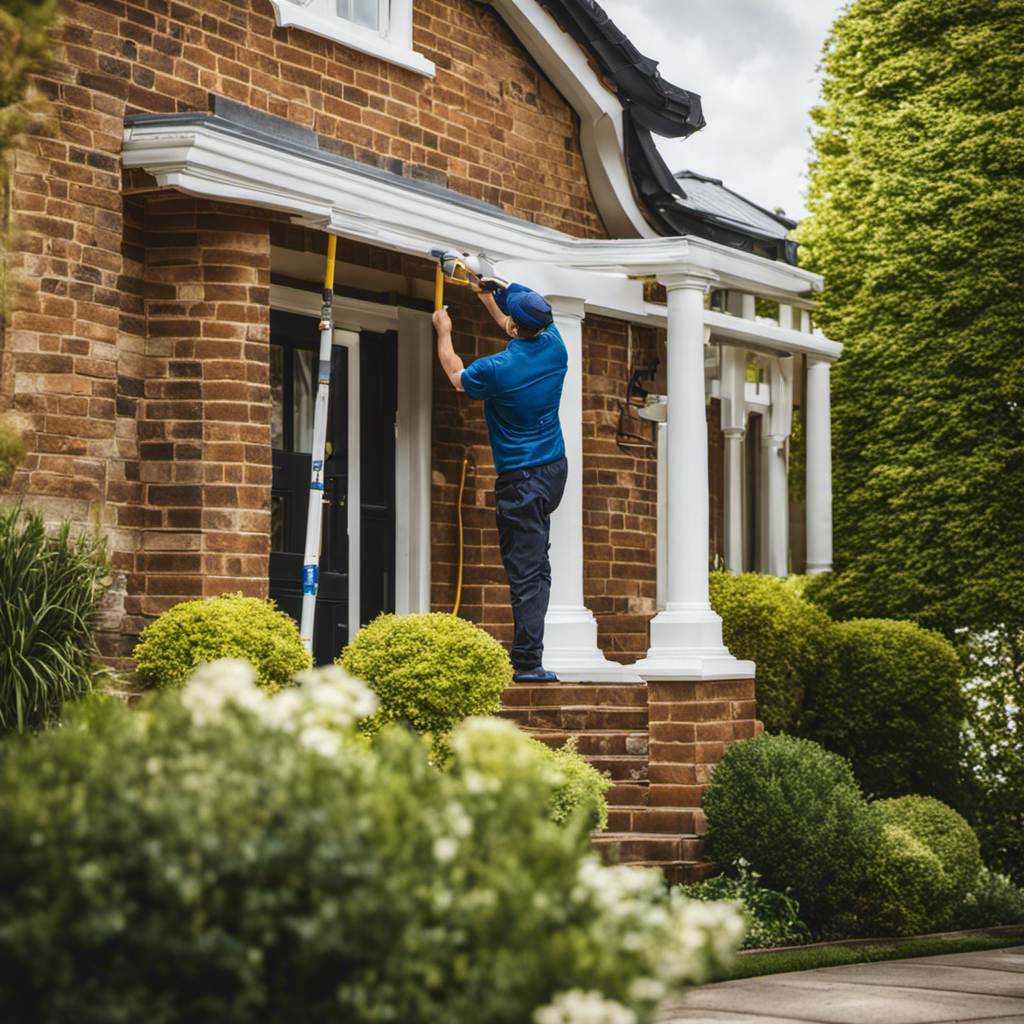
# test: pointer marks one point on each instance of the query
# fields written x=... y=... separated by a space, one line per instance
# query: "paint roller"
x=461 y=268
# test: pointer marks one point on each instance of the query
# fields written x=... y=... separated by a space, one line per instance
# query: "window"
x=382 y=28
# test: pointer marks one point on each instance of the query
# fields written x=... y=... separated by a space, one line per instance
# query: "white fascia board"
x=564 y=62
x=750 y=333
x=732 y=268
x=204 y=160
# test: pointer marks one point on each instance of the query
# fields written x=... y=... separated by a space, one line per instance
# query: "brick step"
x=645 y=820
x=590 y=694
x=677 y=856
x=630 y=794
x=577 y=717
x=621 y=767
x=596 y=742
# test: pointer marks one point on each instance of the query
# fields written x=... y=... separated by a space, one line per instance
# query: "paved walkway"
x=980 y=988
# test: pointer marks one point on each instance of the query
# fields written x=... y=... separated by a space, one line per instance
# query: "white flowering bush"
x=226 y=854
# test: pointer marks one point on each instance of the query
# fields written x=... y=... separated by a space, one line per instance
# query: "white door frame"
x=412 y=435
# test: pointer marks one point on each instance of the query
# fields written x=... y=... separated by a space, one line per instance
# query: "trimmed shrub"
x=773 y=918
x=905 y=891
x=766 y=621
x=795 y=814
x=582 y=788
x=430 y=671
x=50 y=588
x=221 y=854
x=993 y=900
x=229 y=626
x=945 y=833
x=894 y=707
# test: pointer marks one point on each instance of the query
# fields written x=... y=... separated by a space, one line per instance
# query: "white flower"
x=216 y=684
x=320 y=740
x=579 y=1007
x=445 y=849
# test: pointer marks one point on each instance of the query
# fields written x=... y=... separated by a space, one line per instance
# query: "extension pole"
x=438 y=288
x=314 y=516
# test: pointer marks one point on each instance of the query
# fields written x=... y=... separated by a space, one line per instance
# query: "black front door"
x=295 y=343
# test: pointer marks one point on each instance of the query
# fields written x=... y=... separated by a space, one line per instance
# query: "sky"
x=754 y=65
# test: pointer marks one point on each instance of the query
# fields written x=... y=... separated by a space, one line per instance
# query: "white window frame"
x=395 y=46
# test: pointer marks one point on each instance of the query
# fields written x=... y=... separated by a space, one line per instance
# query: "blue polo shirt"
x=521 y=389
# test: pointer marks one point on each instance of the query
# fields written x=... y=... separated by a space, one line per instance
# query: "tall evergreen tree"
x=917 y=217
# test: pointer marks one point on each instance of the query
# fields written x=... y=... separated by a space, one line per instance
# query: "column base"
x=816 y=568
x=571 y=651
x=687 y=644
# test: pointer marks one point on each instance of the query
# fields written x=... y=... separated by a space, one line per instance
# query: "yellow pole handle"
x=439 y=288
x=332 y=246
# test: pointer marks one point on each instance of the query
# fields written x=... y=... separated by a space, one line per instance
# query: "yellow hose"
x=458 y=586
x=332 y=246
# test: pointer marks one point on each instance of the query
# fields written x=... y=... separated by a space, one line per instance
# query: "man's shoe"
x=534 y=675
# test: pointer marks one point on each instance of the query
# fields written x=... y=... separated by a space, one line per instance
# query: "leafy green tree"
x=995 y=737
x=916 y=199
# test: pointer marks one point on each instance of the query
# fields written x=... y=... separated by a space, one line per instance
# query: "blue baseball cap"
x=528 y=308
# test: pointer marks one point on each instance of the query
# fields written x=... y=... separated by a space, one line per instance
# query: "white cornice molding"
x=203 y=159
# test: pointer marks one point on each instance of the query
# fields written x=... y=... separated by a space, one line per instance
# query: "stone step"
x=629 y=794
x=676 y=855
x=596 y=742
x=621 y=767
x=591 y=695
x=641 y=820
x=577 y=717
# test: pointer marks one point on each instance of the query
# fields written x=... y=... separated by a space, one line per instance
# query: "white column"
x=734 y=427
x=818 y=433
x=775 y=482
x=570 y=630
x=686 y=638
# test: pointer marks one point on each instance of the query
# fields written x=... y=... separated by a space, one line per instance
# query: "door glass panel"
x=278 y=521
x=277 y=396
x=303 y=397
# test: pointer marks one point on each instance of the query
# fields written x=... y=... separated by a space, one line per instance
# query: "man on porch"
x=521 y=388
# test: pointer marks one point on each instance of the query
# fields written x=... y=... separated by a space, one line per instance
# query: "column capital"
x=739 y=432
x=697 y=278
x=566 y=305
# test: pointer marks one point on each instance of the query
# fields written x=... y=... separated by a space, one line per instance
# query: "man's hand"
x=442 y=321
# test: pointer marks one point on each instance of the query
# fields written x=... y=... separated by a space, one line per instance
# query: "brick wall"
x=136 y=351
x=489 y=125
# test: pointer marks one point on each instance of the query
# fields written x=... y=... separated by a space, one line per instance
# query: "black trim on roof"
x=651 y=104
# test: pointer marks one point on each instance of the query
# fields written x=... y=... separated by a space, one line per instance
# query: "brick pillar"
x=204 y=437
x=690 y=724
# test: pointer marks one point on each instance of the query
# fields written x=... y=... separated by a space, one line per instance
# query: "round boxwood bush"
x=768 y=622
x=993 y=900
x=430 y=671
x=221 y=854
x=894 y=707
x=905 y=890
x=582 y=788
x=945 y=833
x=230 y=626
x=795 y=814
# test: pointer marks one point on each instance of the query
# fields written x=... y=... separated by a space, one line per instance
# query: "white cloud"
x=754 y=64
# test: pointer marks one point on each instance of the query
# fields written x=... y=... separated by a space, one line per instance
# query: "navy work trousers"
x=523 y=501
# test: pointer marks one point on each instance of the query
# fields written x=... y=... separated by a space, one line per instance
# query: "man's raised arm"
x=452 y=364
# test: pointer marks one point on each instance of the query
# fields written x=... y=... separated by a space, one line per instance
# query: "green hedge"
x=430 y=671
x=224 y=855
x=795 y=814
x=230 y=626
x=894 y=707
x=765 y=620
x=947 y=835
